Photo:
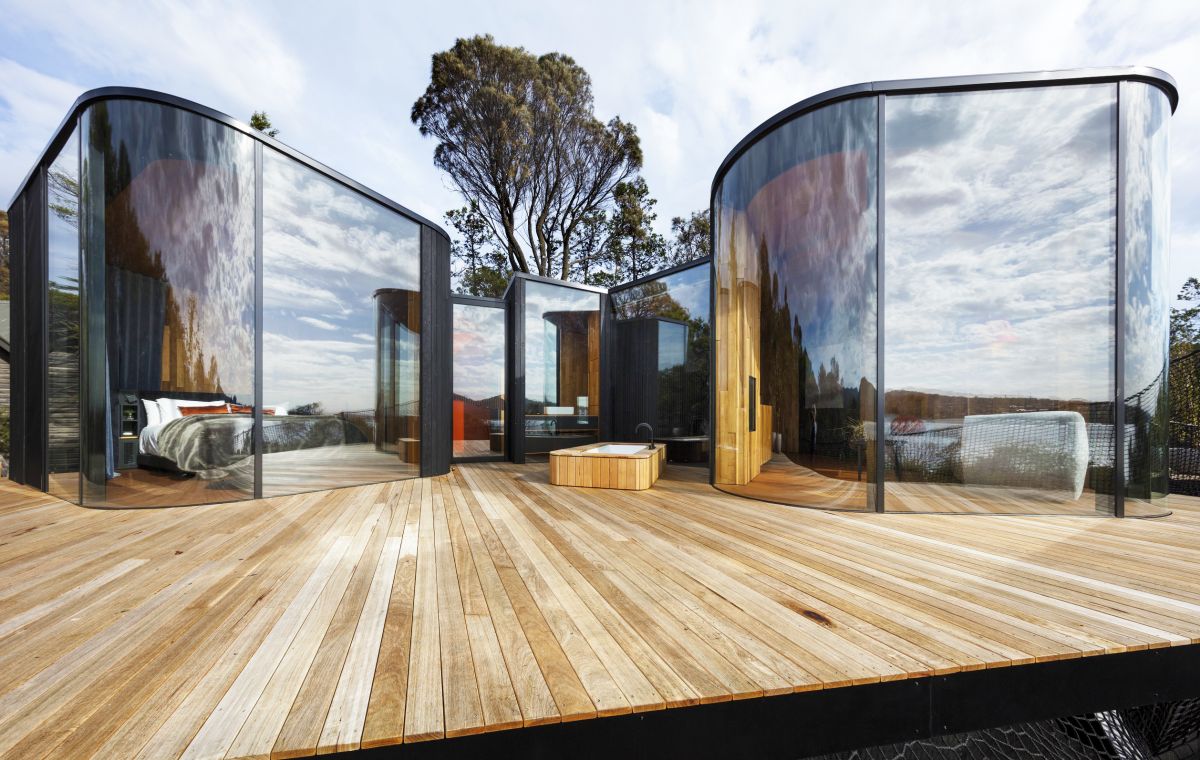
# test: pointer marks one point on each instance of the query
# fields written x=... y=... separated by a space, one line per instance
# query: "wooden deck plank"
x=384 y=721
x=424 y=718
x=488 y=600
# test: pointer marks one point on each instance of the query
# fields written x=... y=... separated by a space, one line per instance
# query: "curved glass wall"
x=170 y=239
x=663 y=335
x=992 y=251
x=1146 y=114
x=795 y=230
x=62 y=330
x=169 y=260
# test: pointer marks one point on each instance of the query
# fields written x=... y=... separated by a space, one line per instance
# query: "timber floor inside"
x=284 y=473
x=785 y=482
x=489 y=600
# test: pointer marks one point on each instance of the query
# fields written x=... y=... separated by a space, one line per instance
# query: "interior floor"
x=285 y=472
x=829 y=486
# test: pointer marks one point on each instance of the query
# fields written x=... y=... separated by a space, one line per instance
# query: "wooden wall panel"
x=737 y=352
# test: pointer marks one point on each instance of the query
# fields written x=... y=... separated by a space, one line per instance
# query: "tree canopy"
x=548 y=187
x=1185 y=320
x=518 y=137
x=260 y=121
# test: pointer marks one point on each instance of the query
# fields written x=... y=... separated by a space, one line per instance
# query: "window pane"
x=478 y=420
x=170 y=252
x=663 y=334
x=341 y=334
x=562 y=367
x=1000 y=286
x=795 y=246
x=1146 y=112
x=62 y=366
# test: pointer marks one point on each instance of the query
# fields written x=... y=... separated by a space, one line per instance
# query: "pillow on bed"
x=169 y=407
x=191 y=411
x=153 y=413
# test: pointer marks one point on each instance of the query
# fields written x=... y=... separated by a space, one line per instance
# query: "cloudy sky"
x=339 y=80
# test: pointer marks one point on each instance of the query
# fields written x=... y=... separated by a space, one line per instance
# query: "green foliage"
x=693 y=238
x=312 y=409
x=478 y=267
x=518 y=137
x=1185 y=320
x=260 y=121
x=633 y=248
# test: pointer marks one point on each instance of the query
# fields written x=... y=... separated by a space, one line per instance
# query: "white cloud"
x=320 y=324
x=694 y=78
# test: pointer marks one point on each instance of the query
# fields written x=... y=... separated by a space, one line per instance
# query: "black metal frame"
x=703 y=261
x=514 y=300
x=1117 y=76
x=457 y=299
x=969 y=83
x=30 y=317
x=851 y=717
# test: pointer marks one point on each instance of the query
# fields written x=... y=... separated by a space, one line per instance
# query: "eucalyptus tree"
x=518 y=136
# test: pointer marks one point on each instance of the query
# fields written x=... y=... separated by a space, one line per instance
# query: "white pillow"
x=153 y=413
x=169 y=407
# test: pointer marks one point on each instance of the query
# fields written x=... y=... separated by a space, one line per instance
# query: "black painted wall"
x=436 y=353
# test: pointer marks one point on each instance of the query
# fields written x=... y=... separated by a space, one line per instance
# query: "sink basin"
x=616 y=448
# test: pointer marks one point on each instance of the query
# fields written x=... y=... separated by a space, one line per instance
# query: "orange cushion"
x=188 y=411
x=246 y=409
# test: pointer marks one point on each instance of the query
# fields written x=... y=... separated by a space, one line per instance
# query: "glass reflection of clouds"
x=478 y=351
x=326 y=249
x=1000 y=242
x=1146 y=112
x=1000 y=315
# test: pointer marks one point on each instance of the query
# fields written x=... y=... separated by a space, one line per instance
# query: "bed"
x=211 y=445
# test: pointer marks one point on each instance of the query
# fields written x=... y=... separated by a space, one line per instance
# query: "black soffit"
x=1156 y=77
x=102 y=94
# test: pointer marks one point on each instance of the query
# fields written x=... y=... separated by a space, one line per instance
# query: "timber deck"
x=488 y=600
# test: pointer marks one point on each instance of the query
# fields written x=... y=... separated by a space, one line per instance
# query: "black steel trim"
x=553 y=281
x=257 y=429
x=515 y=437
x=1119 y=464
x=661 y=274
x=1156 y=77
x=62 y=133
x=880 y=301
x=853 y=717
x=491 y=303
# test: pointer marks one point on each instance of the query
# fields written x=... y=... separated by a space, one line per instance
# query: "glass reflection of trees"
x=175 y=226
x=62 y=364
x=798 y=212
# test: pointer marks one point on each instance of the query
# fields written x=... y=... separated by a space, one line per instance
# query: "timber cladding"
x=633 y=472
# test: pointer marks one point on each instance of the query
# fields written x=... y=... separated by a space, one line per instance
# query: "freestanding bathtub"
x=629 y=466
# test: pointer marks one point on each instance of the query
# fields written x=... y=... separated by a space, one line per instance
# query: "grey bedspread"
x=210 y=444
